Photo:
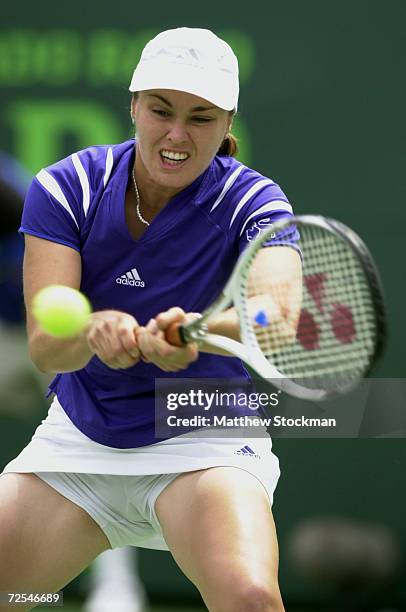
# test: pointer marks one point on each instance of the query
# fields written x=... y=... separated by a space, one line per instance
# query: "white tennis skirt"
x=99 y=478
x=58 y=446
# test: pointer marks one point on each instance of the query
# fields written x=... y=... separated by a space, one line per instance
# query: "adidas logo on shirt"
x=131 y=278
x=247 y=452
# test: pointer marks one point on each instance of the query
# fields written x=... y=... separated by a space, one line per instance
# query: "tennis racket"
x=339 y=328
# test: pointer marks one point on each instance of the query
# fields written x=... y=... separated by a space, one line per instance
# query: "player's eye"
x=160 y=112
x=202 y=119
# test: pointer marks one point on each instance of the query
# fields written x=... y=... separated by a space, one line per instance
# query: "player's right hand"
x=155 y=348
x=110 y=334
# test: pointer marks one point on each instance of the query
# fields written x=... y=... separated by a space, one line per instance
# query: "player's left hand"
x=155 y=349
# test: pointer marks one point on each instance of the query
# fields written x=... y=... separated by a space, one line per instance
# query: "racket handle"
x=174 y=336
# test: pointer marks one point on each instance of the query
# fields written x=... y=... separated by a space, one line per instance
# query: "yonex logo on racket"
x=339 y=315
x=131 y=278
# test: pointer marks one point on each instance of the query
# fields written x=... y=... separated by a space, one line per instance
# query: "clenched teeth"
x=175 y=156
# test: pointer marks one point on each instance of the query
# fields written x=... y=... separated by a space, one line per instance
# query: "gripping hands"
x=120 y=342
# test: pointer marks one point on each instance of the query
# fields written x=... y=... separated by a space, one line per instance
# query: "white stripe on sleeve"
x=252 y=191
x=229 y=183
x=109 y=165
x=51 y=185
x=84 y=181
x=270 y=207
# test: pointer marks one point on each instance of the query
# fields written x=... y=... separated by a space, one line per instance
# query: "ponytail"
x=229 y=146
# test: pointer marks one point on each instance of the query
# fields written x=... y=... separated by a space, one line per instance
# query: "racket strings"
x=328 y=333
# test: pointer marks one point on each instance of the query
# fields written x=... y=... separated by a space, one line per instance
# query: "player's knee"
x=255 y=596
x=246 y=595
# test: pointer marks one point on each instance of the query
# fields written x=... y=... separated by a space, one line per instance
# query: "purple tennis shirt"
x=184 y=259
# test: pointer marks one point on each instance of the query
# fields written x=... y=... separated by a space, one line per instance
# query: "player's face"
x=178 y=134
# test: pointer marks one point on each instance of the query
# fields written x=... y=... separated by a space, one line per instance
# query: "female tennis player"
x=149 y=230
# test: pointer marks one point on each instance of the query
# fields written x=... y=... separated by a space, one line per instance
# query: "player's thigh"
x=45 y=539
x=219 y=527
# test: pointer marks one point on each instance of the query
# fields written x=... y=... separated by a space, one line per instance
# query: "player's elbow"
x=38 y=356
x=41 y=367
x=51 y=355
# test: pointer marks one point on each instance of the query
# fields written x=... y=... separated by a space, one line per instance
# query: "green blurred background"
x=321 y=112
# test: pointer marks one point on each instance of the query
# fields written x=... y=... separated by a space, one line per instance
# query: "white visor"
x=192 y=60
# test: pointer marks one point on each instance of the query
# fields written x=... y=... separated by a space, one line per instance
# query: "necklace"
x=137 y=208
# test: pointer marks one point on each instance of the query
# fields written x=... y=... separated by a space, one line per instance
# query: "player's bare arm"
x=109 y=334
x=275 y=287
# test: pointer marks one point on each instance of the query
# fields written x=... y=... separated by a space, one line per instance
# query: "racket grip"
x=174 y=336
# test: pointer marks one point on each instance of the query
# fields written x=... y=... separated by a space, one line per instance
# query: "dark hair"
x=229 y=146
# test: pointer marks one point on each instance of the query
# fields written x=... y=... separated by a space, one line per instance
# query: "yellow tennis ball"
x=61 y=311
